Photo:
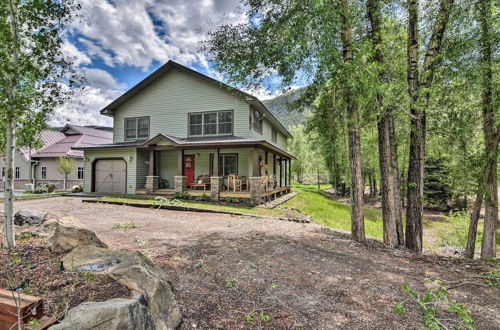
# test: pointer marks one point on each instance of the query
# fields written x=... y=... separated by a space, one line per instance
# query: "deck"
x=223 y=194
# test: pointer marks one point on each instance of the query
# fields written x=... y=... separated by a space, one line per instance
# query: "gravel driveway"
x=239 y=272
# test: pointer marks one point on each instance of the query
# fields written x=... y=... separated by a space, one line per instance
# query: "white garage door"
x=111 y=176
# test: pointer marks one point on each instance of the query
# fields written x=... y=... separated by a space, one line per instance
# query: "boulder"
x=114 y=314
x=67 y=237
x=134 y=270
x=29 y=218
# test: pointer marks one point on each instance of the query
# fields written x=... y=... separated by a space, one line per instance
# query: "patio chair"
x=203 y=181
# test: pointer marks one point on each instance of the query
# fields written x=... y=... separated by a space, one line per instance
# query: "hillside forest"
x=397 y=96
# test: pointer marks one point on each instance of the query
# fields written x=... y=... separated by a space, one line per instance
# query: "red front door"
x=189 y=169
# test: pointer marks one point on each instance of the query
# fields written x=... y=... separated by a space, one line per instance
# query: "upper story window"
x=257 y=121
x=274 y=135
x=136 y=128
x=211 y=123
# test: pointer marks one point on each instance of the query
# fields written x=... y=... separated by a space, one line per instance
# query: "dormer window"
x=137 y=128
x=211 y=123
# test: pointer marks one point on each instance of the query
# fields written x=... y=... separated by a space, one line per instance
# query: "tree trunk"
x=387 y=175
x=9 y=241
x=491 y=133
x=416 y=85
x=474 y=217
x=354 y=138
x=398 y=208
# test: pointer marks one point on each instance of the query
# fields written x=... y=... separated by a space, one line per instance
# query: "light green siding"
x=128 y=154
x=169 y=99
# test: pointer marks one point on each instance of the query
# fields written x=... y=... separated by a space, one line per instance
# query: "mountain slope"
x=281 y=109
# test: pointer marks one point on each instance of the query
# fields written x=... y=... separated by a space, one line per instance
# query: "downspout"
x=32 y=169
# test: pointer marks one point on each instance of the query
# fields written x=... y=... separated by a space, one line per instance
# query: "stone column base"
x=152 y=183
x=180 y=183
x=255 y=190
x=215 y=187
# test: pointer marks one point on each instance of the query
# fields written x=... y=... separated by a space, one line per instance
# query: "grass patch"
x=332 y=213
x=126 y=225
x=31 y=196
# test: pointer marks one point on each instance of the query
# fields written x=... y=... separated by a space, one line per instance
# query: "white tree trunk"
x=9 y=187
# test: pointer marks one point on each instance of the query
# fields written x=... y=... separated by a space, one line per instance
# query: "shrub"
x=181 y=195
x=205 y=198
x=76 y=189
x=51 y=188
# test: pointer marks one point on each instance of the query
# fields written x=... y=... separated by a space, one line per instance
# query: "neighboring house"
x=169 y=129
x=44 y=167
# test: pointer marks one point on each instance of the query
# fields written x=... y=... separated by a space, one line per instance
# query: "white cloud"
x=102 y=79
x=84 y=107
x=136 y=33
x=75 y=55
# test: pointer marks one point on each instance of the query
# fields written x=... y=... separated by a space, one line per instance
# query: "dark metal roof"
x=108 y=110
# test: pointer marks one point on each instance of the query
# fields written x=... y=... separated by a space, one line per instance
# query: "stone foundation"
x=152 y=183
x=215 y=187
x=180 y=183
x=255 y=190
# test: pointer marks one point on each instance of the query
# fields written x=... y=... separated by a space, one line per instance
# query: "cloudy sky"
x=117 y=43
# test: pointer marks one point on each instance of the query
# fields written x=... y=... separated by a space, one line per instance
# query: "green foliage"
x=34 y=324
x=433 y=303
x=249 y=318
x=437 y=189
x=15 y=259
x=454 y=232
x=264 y=317
x=492 y=278
x=126 y=225
x=231 y=283
x=90 y=276
x=205 y=198
x=181 y=195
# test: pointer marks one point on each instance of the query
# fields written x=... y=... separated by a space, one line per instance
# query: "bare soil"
x=239 y=272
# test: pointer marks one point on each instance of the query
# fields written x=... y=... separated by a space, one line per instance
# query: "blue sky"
x=117 y=43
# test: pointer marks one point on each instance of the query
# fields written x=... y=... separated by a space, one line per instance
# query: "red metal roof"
x=58 y=143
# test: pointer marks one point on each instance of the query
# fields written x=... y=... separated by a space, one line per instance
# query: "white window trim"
x=17 y=172
x=44 y=172
x=136 y=119
x=203 y=123
x=79 y=170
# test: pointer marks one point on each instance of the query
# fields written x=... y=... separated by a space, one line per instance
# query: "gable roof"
x=250 y=99
x=60 y=143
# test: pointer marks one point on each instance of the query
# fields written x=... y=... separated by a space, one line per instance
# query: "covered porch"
x=253 y=171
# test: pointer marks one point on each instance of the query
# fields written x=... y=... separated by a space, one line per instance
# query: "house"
x=40 y=166
x=179 y=130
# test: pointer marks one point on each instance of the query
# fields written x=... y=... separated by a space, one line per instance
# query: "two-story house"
x=180 y=130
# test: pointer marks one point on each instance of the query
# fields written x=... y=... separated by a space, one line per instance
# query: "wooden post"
x=215 y=165
x=281 y=171
x=286 y=173
x=265 y=163
x=151 y=171
x=180 y=160
x=256 y=167
x=290 y=172
x=274 y=165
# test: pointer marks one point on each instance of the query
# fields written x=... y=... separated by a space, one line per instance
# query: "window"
x=228 y=164
x=80 y=173
x=3 y=172
x=136 y=128
x=274 y=135
x=211 y=123
x=44 y=172
x=257 y=121
x=17 y=172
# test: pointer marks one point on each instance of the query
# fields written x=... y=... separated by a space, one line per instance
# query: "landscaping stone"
x=114 y=314
x=67 y=237
x=29 y=218
x=134 y=270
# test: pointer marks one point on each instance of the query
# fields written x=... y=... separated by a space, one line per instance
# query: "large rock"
x=67 y=237
x=134 y=270
x=29 y=218
x=114 y=314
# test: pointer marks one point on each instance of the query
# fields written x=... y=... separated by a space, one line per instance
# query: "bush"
x=205 y=198
x=76 y=189
x=51 y=188
x=41 y=189
x=181 y=195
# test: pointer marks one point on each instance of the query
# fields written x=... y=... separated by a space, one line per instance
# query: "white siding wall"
x=18 y=161
x=53 y=169
x=170 y=98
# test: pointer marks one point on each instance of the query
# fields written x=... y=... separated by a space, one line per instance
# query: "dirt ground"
x=238 y=272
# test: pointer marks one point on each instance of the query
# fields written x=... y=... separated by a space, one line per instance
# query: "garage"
x=110 y=176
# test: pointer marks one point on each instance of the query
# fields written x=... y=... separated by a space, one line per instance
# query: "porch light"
x=130 y=158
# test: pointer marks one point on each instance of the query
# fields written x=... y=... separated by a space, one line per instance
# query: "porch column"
x=152 y=180
x=256 y=165
x=266 y=166
x=286 y=173
x=180 y=179
x=281 y=171
x=274 y=166
x=215 y=180
x=290 y=172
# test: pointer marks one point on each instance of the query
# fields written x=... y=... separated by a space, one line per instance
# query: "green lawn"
x=31 y=196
